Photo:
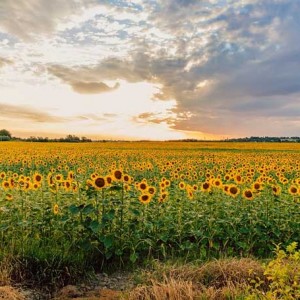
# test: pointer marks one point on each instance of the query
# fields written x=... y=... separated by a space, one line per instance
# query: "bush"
x=282 y=275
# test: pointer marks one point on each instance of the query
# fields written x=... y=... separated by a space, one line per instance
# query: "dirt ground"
x=103 y=287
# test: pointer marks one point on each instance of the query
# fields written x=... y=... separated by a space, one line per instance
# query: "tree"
x=4 y=132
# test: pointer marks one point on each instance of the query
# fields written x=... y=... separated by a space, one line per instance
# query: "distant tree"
x=5 y=135
x=71 y=138
x=85 y=139
x=4 y=132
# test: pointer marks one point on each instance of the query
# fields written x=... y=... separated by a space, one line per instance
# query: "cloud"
x=5 y=61
x=28 y=113
x=92 y=87
x=131 y=70
x=28 y=18
x=89 y=80
x=224 y=62
x=92 y=117
x=153 y=118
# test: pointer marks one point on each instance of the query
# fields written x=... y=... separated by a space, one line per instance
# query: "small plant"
x=282 y=275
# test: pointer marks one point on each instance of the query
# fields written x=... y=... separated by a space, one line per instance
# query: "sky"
x=150 y=69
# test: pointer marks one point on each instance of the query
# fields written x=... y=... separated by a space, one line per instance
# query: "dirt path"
x=103 y=287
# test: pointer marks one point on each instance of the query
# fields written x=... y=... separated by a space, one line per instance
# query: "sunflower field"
x=70 y=208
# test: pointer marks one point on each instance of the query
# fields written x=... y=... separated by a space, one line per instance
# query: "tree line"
x=5 y=135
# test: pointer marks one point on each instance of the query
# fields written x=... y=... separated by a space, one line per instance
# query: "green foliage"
x=282 y=276
x=5 y=133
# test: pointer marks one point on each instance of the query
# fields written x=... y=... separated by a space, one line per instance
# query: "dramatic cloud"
x=228 y=67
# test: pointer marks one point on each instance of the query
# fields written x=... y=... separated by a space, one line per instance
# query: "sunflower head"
x=145 y=198
x=99 y=183
x=248 y=194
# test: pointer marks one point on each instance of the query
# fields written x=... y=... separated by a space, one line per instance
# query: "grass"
x=223 y=279
x=218 y=279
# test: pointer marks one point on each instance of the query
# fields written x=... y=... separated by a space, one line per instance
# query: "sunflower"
x=108 y=179
x=297 y=181
x=27 y=186
x=94 y=175
x=162 y=185
x=233 y=190
x=227 y=177
x=276 y=190
x=217 y=183
x=205 y=187
x=55 y=209
x=50 y=179
x=257 y=186
x=37 y=177
x=89 y=183
x=127 y=187
x=293 y=190
x=226 y=188
x=167 y=182
x=9 y=197
x=67 y=185
x=248 y=194
x=163 y=197
x=145 y=198
x=35 y=186
x=2 y=175
x=151 y=190
x=238 y=179
x=59 y=177
x=6 y=185
x=71 y=175
x=99 y=182
x=126 y=178
x=190 y=194
x=117 y=175
x=182 y=185
x=142 y=186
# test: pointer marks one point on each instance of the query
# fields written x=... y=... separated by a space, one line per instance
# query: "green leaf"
x=133 y=257
x=108 y=216
x=88 y=209
x=136 y=212
x=64 y=218
x=73 y=209
x=119 y=252
x=108 y=242
x=95 y=226
x=115 y=188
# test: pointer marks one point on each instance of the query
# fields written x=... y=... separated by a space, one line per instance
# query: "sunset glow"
x=149 y=69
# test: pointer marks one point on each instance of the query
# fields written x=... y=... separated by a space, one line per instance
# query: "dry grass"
x=169 y=289
x=216 y=280
x=9 y=293
x=6 y=270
